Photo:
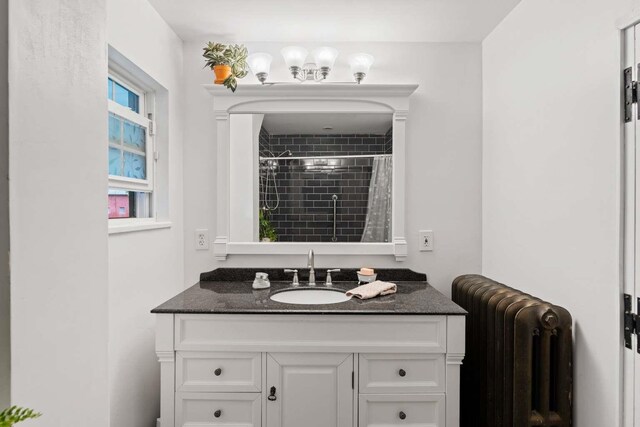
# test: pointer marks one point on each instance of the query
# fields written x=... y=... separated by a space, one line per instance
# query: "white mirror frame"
x=311 y=98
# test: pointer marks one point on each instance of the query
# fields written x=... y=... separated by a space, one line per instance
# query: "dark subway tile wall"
x=263 y=143
x=305 y=211
x=388 y=141
x=328 y=145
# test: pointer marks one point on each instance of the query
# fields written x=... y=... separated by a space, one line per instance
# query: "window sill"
x=138 y=226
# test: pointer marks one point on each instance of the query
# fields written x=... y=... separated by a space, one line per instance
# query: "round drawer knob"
x=217 y=413
x=402 y=415
x=402 y=372
x=218 y=372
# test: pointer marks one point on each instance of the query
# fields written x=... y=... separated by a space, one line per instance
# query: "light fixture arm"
x=309 y=72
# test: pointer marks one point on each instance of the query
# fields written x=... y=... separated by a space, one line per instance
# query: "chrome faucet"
x=312 y=271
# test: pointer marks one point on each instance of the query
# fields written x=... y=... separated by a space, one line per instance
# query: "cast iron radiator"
x=517 y=370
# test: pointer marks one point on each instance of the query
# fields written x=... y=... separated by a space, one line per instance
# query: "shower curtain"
x=377 y=226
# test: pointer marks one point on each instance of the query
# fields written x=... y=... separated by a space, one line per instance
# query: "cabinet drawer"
x=218 y=409
x=402 y=373
x=402 y=410
x=223 y=372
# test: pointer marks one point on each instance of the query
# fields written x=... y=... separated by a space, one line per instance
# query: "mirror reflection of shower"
x=268 y=185
x=325 y=177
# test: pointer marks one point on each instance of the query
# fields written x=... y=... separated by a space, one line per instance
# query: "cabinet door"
x=311 y=390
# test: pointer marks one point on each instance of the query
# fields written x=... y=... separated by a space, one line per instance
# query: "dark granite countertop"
x=227 y=291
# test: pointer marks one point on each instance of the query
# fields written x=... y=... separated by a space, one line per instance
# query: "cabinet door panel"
x=311 y=390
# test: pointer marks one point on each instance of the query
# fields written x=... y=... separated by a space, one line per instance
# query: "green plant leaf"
x=266 y=227
x=231 y=83
x=16 y=414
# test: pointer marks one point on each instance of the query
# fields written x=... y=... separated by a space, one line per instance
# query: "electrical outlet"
x=426 y=240
x=202 y=240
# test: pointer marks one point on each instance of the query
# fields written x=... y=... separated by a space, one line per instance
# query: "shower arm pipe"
x=354 y=156
x=335 y=204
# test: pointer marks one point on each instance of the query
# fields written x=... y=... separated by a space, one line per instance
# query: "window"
x=131 y=150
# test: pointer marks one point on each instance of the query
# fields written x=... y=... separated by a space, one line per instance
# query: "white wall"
x=5 y=340
x=74 y=289
x=443 y=155
x=551 y=177
x=145 y=268
x=57 y=187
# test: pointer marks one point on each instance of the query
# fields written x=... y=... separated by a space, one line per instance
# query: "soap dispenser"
x=261 y=281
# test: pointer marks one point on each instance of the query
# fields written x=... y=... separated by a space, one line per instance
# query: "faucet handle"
x=296 y=282
x=331 y=270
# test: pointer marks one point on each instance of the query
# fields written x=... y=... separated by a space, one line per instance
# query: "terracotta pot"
x=222 y=73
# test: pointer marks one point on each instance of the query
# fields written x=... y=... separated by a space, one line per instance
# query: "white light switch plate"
x=202 y=240
x=426 y=240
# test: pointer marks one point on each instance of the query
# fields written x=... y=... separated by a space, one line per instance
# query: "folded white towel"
x=373 y=289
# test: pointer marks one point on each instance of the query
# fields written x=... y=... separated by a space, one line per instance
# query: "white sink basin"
x=311 y=296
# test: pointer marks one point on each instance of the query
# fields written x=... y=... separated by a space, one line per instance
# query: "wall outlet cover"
x=426 y=240
x=202 y=239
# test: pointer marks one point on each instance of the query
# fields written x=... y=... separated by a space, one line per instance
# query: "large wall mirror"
x=311 y=166
x=317 y=177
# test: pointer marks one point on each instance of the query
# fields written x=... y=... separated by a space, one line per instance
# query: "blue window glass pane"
x=109 y=89
x=124 y=96
x=134 y=135
x=115 y=132
x=135 y=166
x=115 y=161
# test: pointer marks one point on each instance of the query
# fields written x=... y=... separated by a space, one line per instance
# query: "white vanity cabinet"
x=294 y=370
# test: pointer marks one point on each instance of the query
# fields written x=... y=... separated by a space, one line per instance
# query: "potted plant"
x=228 y=62
x=267 y=232
x=15 y=414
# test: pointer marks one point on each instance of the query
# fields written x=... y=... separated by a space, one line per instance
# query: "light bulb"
x=325 y=57
x=294 y=56
x=360 y=65
x=260 y=64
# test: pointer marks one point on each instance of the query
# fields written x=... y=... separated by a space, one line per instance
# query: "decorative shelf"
x=315 y=90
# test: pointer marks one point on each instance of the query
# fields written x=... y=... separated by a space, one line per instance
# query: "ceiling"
x=305 y=123
x=335 y=20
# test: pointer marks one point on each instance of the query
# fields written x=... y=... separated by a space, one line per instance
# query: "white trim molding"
x=136 y=224
x=312 y=98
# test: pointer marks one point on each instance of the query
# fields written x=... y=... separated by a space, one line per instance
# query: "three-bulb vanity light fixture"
x=315 y=70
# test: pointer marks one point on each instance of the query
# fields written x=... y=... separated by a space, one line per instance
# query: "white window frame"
x=146 y=107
